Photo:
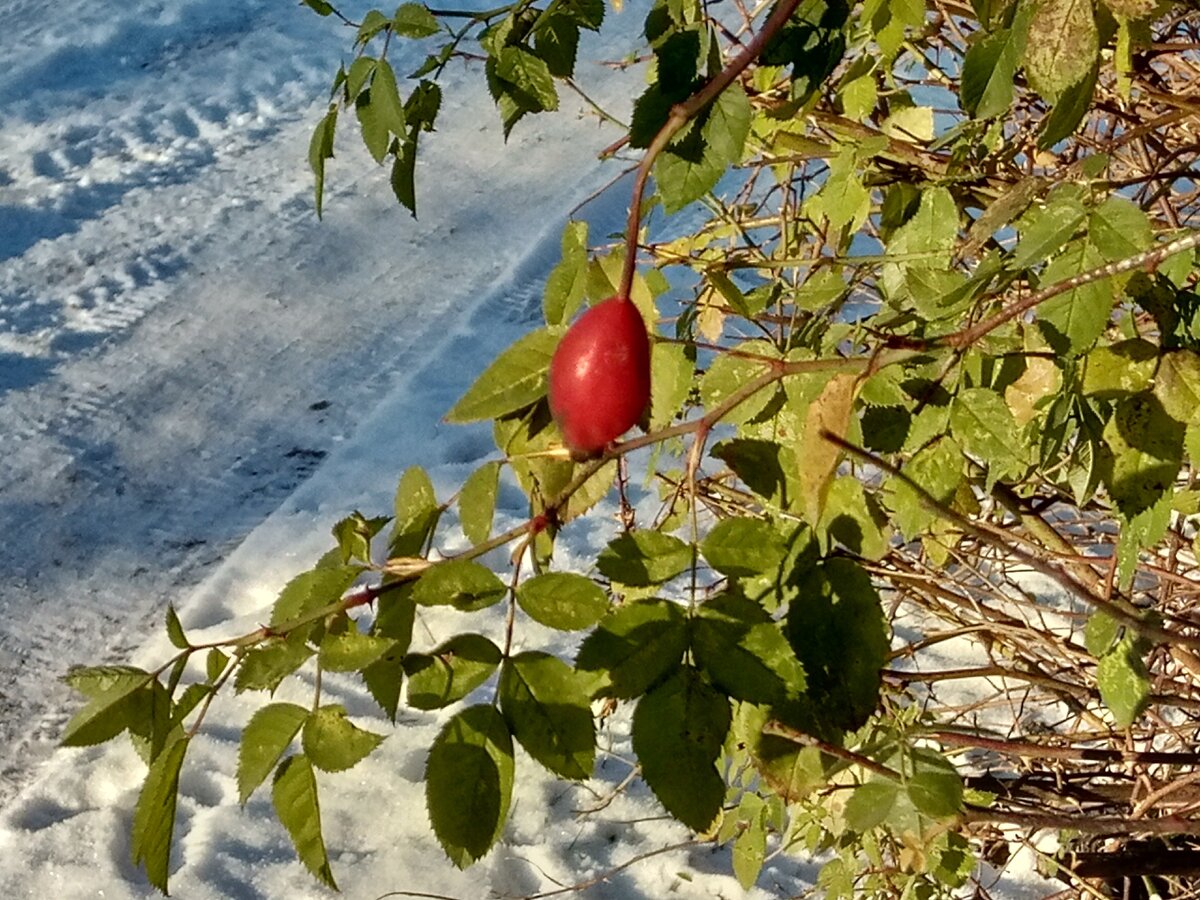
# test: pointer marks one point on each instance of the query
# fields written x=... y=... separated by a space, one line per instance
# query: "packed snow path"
x=181 y=341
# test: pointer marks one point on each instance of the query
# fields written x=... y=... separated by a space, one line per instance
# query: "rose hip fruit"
x=600 y=376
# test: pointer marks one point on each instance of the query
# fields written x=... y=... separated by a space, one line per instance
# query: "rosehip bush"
x=918 y=391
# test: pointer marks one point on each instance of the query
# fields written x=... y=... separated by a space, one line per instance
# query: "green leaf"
x=311 y=590
x=154 y=816
x=692 y=165
x=643 y=558
x=742 y=546
x=937 y=469
x=750 y=851
x=744 y=653
x=111 y=691
x=372 y=23
x=513 y=381
x=986 y=428
x=294 y=796
x=1146 y=447
x=1124 y=682
x=1177 y=385
x=264 y=667
x=265 y=739
x=477 y=502
x=451 y=671
x=175 y=629
x=385 y=677
x=215 y=663
x=1044 y=230
x=588 y=13
x=567 y=281
x=356 y=79
x=354 y=534
x=760 y=465
x=986 y=87
x=1100 y=633
x=837 y=628
x=352 y=651
x=468 y=783
x=635 y=646
x=320 y=7
x=333 y=743
x=563 y=600
x=403 y=177
x=1072 y=321
x=320 y=148
x=1120 y=370
x=1069 y=110
x=461 y=583
x=556 y=40
x=829 y=412
x=678 y=730
x=1062 y=46
x=549 y=711
x=1119 y=228
x=871 y=804
x=731 y=371
x=417 y=512
x=854 y=519
x=671 y=372
x=414 y=20
x=935 y=787
x=528 y=76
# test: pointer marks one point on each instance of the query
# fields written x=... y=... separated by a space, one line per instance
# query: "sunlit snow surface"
x=197 y=379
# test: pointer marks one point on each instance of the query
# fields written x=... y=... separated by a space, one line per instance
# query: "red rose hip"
x=600 y=376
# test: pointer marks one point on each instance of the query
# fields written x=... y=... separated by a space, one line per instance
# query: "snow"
x=198 y=378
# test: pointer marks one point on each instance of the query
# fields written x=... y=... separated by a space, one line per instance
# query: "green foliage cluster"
x=937 y=322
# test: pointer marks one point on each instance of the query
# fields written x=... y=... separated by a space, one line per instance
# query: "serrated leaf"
x=1044 y=230
x=760 y=465
x=265 y=739
x=372 y=23
x=215 y=663
x=1072 y=321
x=451 y=671
x=731 y=371
x=749 y=852
x=414 y=20
x=294 y=796
x=870 y=804
x=678 y=730
x=937 y=469
x=986 y=88
x=1124 y=683
x=263 y=668
x=461 y=583
x=671 y=371
x=549 y=712
x=1100 y=633
x=528 y=76
x=854 y=519
x=563 y=600
x=1120 y=370
x=333 y=743
x=175 y=629
x=358 y=75
x=311 y=590
x=935 y=787
x=468 y=783
x=643 y=558
x=352 y=651
x=635 y=646
x=1177 y=385
x=566 y=282
x=692 y=165
x=416 y=513
x=741 y=546
x=1146 y=447
x=556 y=41
x=1062 y=46
x=1069 y=110
x=477 y=502
x=837 y=629
x=1119 y=228
x=744 y=653
x=384 y=678
x=986 y=428
x=403 y=175
x=154 y=816
x=111 y=691
x=513 y=381
x=320 y=7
